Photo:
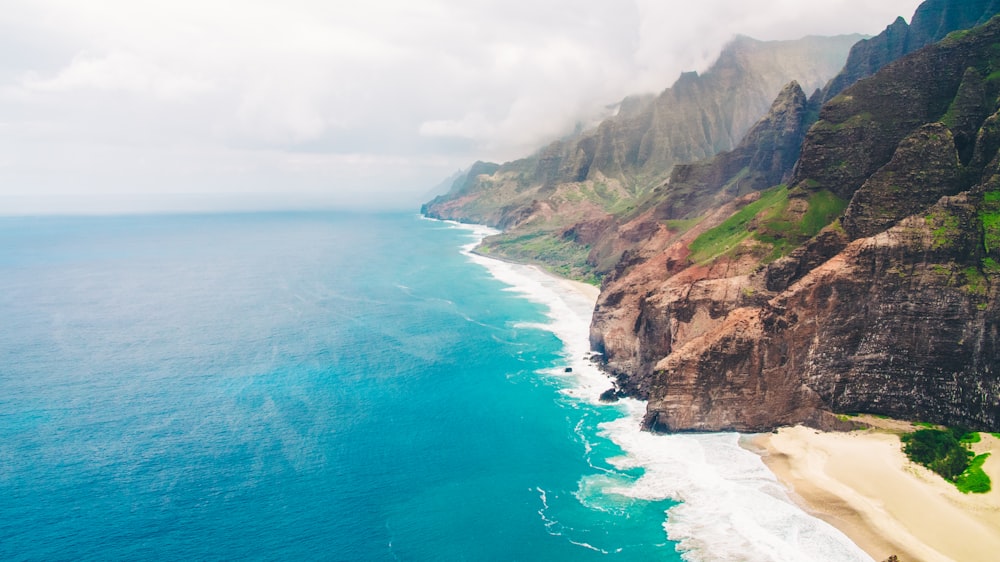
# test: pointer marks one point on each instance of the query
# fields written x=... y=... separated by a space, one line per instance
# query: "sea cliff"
x=840 y=256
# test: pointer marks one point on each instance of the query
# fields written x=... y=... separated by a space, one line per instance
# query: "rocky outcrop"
x=932 y=21
x=866 y=280
x=923 y=169
x=763 y=158
x=892 y=310
x=900 y=323
x=859 y=129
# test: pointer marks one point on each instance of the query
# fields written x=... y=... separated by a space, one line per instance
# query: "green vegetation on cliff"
x=789 y=230
x=734 y=230
x=776 y=219
x=945 y=227
x=989 y=216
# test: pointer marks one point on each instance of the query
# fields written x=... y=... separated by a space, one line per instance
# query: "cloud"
x=473 y=126
x=122 y=72
x=248 y=91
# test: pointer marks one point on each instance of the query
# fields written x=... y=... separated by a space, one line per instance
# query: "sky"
x=134 y=105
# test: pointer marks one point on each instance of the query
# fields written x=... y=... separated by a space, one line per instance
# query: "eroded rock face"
x=932 y=21
x=904 y=323
x=892 y=310
x=728 y=308
x=923 y=169
x=730 y=379
x=893 y=324
x=655 y=305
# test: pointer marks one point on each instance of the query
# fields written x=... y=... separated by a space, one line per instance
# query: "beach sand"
x=586 y=290
x=863 y=484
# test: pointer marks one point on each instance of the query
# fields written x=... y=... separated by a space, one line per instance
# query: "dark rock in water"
x=568 y=370
x=610 y=395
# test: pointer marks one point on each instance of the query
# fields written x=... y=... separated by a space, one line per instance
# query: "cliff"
x=868 y=284
x=843 y=256
x=932 y=21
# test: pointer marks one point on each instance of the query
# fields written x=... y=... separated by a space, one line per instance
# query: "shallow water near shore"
x=336 y=386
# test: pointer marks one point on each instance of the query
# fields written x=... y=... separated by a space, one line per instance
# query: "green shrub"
x=945 y=452
x=989 y=217
x=969 y=438
x=974 y=480
x=938 y=450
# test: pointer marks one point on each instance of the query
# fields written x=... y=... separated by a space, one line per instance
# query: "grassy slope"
x=769 y=221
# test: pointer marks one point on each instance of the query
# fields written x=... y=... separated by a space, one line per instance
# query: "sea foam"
x=731 y=506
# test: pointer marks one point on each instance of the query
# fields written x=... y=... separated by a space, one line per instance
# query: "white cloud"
x=123 y=72
x=473 y=126
x=220 y=95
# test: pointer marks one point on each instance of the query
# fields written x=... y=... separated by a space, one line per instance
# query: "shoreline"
x=858 y=483
x=591 y=291
x=862 y=483
x=730 y=505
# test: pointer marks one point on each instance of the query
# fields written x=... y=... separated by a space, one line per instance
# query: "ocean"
x=336 y=386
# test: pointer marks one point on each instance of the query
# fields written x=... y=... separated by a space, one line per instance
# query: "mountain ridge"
x=843 y=256
x=745 y=337
x=543 y=202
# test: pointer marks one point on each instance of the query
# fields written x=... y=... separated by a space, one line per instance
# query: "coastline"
x=863 y=484
x=730 y=505
x=859 y=483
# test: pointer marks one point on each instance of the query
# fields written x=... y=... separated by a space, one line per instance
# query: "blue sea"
x=336 y=386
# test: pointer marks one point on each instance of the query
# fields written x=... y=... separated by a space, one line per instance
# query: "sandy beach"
x=863 y=484
x=586 y=290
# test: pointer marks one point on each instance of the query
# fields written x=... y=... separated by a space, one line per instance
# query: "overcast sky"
x=111 y=105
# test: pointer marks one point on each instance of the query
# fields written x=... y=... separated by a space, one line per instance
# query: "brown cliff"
x=743 y=324
x=865 y=280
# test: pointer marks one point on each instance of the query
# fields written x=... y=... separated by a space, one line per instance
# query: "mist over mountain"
x=837 y=255
x=612 y=167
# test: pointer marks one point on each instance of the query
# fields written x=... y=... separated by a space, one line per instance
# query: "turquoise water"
x=293 y=386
